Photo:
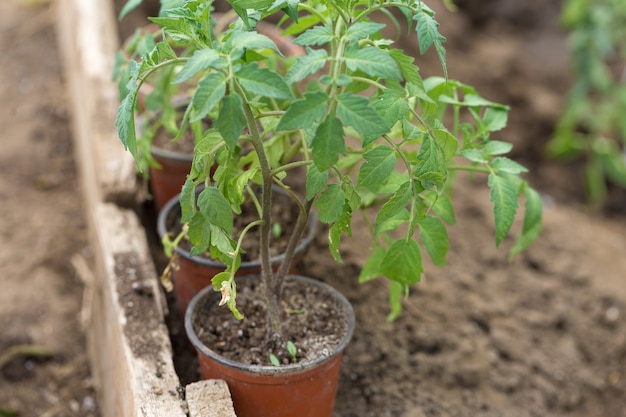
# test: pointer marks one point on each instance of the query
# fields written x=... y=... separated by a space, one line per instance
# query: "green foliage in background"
x=593 y=123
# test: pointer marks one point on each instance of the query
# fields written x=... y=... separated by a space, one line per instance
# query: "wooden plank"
x=129 y=345
x=210 y=398
x=128 y=342
x=88 y=42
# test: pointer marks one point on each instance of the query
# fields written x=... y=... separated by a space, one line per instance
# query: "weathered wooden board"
x=129 y=347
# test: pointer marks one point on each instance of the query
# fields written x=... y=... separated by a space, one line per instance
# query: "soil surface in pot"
x=312 y=321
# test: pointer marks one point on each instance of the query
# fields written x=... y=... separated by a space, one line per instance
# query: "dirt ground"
x=543 y=335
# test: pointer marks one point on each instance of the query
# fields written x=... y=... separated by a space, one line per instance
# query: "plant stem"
x=273 y=287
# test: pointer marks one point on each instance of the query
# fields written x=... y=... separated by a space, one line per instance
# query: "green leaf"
x=391 y=107
x=403 y=262
x=129 y=7
x=210 y=91
x=199 y=234
x=475 y=155
x=395 y=204
x=355 y=111
x=306 y=65
x=533 y=211
x=252 y=4
x=330 y=203
x=125 y=122
x=379 y=163
x=318 y=35
x=304 y=113
x=441 y=205
x=328 y=143
x=263 y=82
x=341 y=225
x=446 y=142
x=504 y=197
x=372 y=61
x=215 y=209
x=362 y=30
x=435 y=239
x=240 y=41
x=503 y=164
x=495 y=118
x=371 y=269
x=200 y=61
x=187 y=201
x=397 y=291
x=409 y=71
x=496 y=147
x=431 y=169
x=315 y=181
x=231 y=120
x=428 y=33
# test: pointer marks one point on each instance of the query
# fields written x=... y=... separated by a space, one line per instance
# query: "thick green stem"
x=273 y=287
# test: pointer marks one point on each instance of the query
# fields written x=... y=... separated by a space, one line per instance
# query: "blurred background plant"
x=592 y=125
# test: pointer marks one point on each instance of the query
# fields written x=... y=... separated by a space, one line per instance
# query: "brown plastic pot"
x=194 y=273
x=302 y=390
x=168 y=178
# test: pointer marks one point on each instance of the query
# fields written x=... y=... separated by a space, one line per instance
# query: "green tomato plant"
x=354 y=111
x=592 y=125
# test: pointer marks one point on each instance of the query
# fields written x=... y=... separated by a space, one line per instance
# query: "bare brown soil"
x=543 y=335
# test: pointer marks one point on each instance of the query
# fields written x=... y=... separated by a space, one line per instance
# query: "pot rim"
x=167 y=154
x=305 y=242
x=209 y=292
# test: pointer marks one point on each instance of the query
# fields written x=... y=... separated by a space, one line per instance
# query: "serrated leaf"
x=330 y=203
x=379 y=163
x=306 y=65
x=362 y=30
x=391 y=107
x=355 y=111
x=372 y=61
x=504 y=164
x=328 y=143
x=315 y=181
x=395 y=204
x=435 y=239
x=215 y=209
x=200 y=61
x=231 y=120
x=210 y=91
x=341 y=225
x=304 y=113
x=504 y=197
x=428 y=33
x=318 y=35
x=403 y=262
x=371 y=269
x=431 y=169
x=531 y=229
x=263 y=82
x=409 y=71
